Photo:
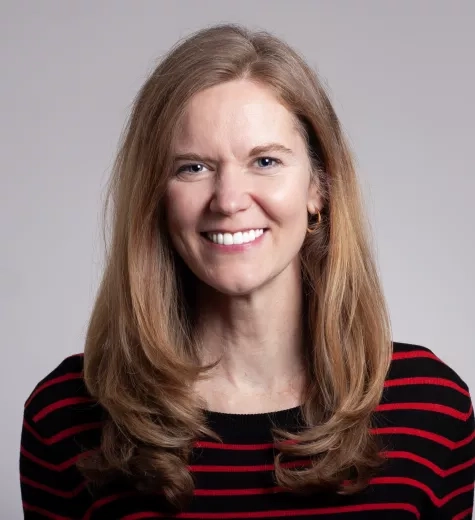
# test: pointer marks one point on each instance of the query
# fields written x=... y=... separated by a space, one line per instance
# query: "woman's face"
x=238 y=199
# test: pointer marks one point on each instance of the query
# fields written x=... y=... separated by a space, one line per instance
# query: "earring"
x=312 y=228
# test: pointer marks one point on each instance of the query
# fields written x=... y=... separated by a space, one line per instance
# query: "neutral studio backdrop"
x=401 y=75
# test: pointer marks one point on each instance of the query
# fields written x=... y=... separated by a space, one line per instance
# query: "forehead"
x=239 y=112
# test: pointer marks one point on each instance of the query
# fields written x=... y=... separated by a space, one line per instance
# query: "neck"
x=258 y=338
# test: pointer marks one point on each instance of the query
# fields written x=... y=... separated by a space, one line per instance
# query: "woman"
x=238 y=362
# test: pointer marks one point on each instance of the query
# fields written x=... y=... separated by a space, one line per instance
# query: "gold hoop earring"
x=313 y=227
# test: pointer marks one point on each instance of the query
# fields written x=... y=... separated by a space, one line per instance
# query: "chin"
x=239 y=286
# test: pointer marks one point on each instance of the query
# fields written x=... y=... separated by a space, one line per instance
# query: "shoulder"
x=424 y=391
x=65 y=381
x=416 y=363
x=61 y=421
x=61 y=401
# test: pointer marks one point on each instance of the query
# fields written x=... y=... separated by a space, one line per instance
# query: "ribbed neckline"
x=253 y=427
x=253 y=416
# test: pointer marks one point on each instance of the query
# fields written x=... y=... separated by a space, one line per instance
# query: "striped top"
x=425 y=422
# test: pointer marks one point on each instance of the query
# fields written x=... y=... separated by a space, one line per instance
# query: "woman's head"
x=218 y=95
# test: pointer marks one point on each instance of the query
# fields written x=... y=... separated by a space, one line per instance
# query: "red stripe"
x=237 y=492
x=414 y=354
x=303 y=512
x=427 y=407
x=376 y=431
x=143 y=514
x=107 y=500
x=284 y=513
x=389 y=454
x=415 y=458
x=258 y=514
x=400 y=430
x=438 y=381
x=234 y=469
x=460 y=467
x=55 y=381
x=53 y=467
x=263 y=467
x=63 y=434
x=53 y=491
x=234 y=447
x=439 y=502
x=464 y=489
x=429 y=464
x=62 y=403
x=229 y=469
x=465 y=441
x=43 y=512
x=463 y=514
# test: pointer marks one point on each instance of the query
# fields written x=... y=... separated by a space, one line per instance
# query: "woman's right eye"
x=191 y=168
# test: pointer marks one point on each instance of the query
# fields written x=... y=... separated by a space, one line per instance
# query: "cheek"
x=181 y=208
x=286 y=203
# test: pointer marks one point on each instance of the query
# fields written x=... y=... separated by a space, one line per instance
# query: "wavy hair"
x=140 y=359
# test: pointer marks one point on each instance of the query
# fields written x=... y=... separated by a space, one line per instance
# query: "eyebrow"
x=271 y=147
x=257 y=150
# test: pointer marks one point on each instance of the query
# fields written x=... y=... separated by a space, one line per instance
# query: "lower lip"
x=235 y=248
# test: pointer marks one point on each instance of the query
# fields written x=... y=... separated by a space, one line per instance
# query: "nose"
x=231 y=192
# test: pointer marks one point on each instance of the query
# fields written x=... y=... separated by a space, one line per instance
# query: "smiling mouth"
x=229 y=239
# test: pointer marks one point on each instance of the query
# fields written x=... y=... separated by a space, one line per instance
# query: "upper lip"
x=243 y=229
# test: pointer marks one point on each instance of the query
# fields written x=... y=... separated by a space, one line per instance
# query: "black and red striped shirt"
x=425 y=422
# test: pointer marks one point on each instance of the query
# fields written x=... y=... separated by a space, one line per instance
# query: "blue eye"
x=266 y=162
x=191 y=168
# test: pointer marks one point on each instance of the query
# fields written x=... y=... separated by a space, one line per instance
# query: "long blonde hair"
x=140 y=358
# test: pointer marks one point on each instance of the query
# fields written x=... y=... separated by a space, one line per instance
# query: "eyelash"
x=183 y=168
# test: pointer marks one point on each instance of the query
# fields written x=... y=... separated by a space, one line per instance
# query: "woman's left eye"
x=266 y=162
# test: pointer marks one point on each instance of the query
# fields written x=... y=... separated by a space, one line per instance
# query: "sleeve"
x=455 y=498
x=50 y=483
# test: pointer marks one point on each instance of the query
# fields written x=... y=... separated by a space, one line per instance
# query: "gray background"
x=402 y=77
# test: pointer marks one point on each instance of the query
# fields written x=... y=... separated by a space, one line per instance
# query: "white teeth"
x=241 y=237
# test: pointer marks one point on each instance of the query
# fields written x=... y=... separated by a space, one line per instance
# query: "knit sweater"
x=425 y=423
